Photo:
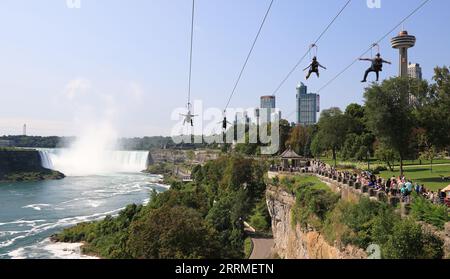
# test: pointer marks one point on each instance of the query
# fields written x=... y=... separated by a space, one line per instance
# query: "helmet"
x=378 y=55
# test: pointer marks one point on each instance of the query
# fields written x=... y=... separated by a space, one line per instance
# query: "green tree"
x=316 y=147
x=357 y=114
x=407 y=241
x=386 y=155
x=226 y=217
x=298 y=139
x=390 y=114
x=333 y=128
x=173 y=233
x=427 y=150
x=247 y=148
x=433 y=108
x=357 y=147
x=285 y=130
x=260 y=218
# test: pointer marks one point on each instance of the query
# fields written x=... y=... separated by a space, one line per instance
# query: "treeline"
x=401 y=119
x=145 y=143
x=202 y=219
x=37 y=142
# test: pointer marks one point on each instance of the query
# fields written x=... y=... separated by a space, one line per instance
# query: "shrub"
x=360 y=218
x=432 y=247
x=260 y=219
x=334 y=229
x=379 y=169
x=423 y=210
x=312 y=205
x=407 y=241
x=173 y=233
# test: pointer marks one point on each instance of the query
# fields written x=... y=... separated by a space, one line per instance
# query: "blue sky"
x=127 y=61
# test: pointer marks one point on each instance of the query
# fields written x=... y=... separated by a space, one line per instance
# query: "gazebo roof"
x=290 y=154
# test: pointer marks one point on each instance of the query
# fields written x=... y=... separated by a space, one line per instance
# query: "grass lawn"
x=291 y=183
x=423 y=175
x=318 y=184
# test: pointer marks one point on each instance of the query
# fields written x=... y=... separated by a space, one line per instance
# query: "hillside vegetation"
x=366 y=222
x=202 y=219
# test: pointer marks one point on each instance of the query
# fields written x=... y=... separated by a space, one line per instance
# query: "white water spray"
x=94 y=153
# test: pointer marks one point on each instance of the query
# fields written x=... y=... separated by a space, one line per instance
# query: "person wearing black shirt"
x=377 y=66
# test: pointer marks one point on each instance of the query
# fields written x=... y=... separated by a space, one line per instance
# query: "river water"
x=31 y=212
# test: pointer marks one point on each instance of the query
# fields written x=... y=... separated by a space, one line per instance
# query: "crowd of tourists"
x=395 y=186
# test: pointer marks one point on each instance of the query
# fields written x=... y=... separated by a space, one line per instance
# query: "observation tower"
x=402 y=42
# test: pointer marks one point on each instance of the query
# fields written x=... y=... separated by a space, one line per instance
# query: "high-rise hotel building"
x=308 y=105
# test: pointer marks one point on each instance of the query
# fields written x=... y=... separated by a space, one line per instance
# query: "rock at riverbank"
x=24 y=165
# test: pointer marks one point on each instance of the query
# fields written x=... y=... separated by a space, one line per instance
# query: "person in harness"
x=225 y=123
x=377 y=66
x=314 y=68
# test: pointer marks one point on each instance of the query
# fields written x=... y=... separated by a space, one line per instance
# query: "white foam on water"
x=37 y=207
x=22 y=222
x=163 y=186
x=61 y=223
x=10 y=242
x=53 y=250
x=146 y=201
x=17 y=254
x=9 y=233
x=94 y=204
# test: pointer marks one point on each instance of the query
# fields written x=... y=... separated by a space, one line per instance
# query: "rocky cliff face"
x=24 y=165
x=293 y=242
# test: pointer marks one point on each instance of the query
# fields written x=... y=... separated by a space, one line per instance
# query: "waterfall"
x=46 y=162
x=92 y=163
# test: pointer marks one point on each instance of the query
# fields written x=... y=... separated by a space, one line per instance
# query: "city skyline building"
x=307 y=105
x=268 y=108
x=415 y=71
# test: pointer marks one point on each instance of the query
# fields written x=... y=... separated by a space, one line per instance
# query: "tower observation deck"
x=402 y=42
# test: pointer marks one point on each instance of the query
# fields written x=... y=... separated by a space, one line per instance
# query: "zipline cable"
x=249 y=55
x=370 y=48
x=311 y=46
x=190 y=55
x=372 y=45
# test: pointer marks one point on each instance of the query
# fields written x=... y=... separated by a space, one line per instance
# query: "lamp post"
x=368 y=160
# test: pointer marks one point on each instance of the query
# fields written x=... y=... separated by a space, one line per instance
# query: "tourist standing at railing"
x=394 y=187
x=423 y=191
x=436 y=197
x=442 y=196
x=418 y=188
x=400 y=185
x=387 y=186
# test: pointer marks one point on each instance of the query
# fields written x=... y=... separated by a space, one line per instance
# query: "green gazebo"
x=290 y=159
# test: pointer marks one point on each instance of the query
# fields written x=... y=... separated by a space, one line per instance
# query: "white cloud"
x=77 y=87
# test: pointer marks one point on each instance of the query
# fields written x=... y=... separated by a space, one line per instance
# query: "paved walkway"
x=262 y=248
